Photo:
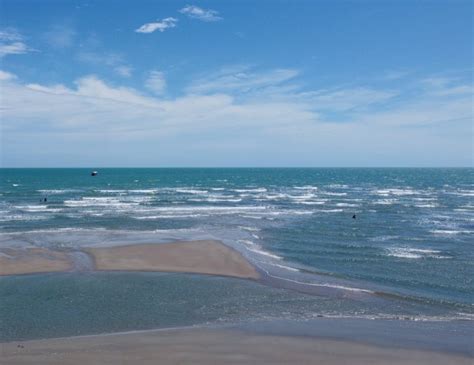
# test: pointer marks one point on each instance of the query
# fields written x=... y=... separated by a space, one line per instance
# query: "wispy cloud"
x=241 y=79
x=60 y=36
x=12 y=42
x=114 y=61
x=156 y=82
x=278 y=112
x=4 y=76
x=206 y=15
x=124 y=71
x=160 y=25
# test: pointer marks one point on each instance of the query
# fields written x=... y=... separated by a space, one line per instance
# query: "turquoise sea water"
x=407 y=254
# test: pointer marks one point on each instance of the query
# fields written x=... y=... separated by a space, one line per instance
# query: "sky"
x=305 y=83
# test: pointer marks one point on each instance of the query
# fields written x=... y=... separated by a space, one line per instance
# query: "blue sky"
x=236 y=83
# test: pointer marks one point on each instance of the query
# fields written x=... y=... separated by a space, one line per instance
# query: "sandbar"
x=14 y=261
x=198 y=257
x=201 y=257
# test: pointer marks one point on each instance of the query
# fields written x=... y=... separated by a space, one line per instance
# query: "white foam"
x=449 y=232
x=99 y=202
x=326 y=285
x=216 y=200
x=330 y=210
x=144 y=191
x=255 y=190
x=426 y=205
x=395 y=191
x=385 y=202
x=18 y=217
x=414 y=253
x=333 y=193
x=32 y=208
x=191 y=191
x=289 y=268
x=306 y=187
x=463 y=192
x=166 y=216
x=247 y=242
x=313 y=202
x=264 y=253
x=58 y=191
x=250 y=229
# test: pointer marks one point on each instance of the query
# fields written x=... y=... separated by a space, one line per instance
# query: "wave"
x=18 y=217
x=264 y=253
x=330 y=193
x=191 y=191
x=443 y=232
x=385 y=202
x=312 y=202
x=415 y=253
x=325 y=285
x=305 y=187
x=395 y=191
x=255 y=190
x=289 y=268
x=330 y=210
x=58 y=191
x=98 y=202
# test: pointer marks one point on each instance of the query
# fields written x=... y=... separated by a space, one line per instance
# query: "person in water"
x=354 y=216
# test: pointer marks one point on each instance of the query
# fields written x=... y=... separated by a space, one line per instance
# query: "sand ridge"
x=199 y=257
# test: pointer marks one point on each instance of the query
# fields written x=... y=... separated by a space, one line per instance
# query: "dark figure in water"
x=45 y=200
x=354 y=216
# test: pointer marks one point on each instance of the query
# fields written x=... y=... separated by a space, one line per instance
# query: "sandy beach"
x=200 y=257
x=212 y=346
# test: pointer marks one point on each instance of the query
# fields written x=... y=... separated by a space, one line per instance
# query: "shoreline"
x=229 y=344
x=209 y=257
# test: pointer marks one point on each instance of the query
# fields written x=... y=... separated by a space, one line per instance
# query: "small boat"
x=94 y=173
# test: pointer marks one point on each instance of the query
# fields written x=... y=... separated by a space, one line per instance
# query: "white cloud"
x=5 y=76
x=161 y=25
x=124 y=71
x=277 y=124
x=10 y=35
x=206 y=15
x=156 y=82
x=11 y=42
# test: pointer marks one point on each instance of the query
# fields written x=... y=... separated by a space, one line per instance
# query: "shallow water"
x=410 y=246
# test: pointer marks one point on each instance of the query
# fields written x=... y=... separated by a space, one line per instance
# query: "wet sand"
x=33 y=260
x=200 y=257
x=211 y=346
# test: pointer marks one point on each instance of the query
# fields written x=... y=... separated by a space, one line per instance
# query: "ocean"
x=376 y=243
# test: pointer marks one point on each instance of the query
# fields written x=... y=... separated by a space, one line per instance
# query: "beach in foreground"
x=212 y=346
